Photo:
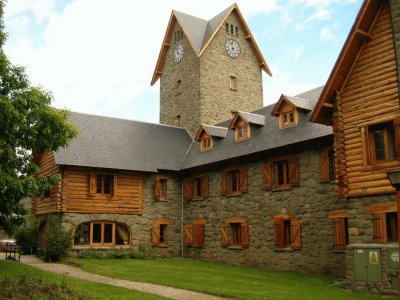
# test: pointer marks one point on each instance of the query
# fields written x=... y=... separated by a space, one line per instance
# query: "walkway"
x=160 y=290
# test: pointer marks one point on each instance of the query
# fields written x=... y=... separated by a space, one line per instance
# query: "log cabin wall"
x=369 y=96
x=51 y=203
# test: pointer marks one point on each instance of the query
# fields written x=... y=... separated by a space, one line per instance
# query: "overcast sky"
x=98 y=56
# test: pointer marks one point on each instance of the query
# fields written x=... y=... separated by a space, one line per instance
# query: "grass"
x=95 y=290
x=223 y=280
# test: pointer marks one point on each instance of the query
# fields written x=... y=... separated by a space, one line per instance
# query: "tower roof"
x=200 y=33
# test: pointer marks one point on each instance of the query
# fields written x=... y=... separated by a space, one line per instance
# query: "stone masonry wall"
x=310 y=203
x=216 y=67
x=141 y=225
x=187 y=103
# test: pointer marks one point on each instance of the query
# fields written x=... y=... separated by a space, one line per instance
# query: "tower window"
x=179 y=88
x=233 y=83
x=227 y=27
x=237 y=31
x=179 y=120
x=232 y=29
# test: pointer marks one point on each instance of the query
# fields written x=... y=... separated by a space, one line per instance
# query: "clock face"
x=232 y=48
x=178 y=53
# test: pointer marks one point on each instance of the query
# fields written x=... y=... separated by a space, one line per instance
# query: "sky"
x=98 y=56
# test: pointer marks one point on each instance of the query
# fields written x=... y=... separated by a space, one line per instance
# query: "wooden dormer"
x=287 y=108
x=206 y=134
x=241 y=124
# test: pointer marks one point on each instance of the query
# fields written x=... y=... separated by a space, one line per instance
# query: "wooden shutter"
x=157 y=189
x=204 y=186
x=243 y=184
x=339 y=232
x=199 y=234
x=189 y=235
x=267 y=176
x=224 y=235
x=93 y=184
x=222 y=183
x=245 y=235
x=188 y=189
x=294 y=174
x=324 y=166
x=155 y=234
x=396 y=124
x=379 y=228
x=279 y=237
x=295 y=234
x=115 y=185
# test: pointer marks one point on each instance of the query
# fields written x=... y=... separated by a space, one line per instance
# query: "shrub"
x=57 y=240
x=114 y=253
x=26 y=237
x=28 y=287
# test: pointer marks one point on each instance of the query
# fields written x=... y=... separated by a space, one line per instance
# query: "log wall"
x=76 y=197
x=369 y=93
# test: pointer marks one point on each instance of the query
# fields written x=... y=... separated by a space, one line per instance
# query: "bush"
x=114 y=253
x=26 y=237
x=57 y=240
x=28 y=287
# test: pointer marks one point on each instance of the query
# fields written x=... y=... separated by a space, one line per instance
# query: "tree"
x=28 y=123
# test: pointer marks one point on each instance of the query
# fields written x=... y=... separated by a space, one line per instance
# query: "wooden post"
x=398 y=228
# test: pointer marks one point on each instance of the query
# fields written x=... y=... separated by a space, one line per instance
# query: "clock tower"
x=207 y=69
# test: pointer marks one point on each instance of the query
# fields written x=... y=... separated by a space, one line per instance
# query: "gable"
x=200 y=33
x=358 y=37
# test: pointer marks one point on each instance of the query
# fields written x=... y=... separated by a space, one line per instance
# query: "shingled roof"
x=112 y=143
x=263 y=138
x=200 y=33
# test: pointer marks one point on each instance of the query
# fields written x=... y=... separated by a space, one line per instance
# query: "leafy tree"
x=27 y=123
x=57 y=241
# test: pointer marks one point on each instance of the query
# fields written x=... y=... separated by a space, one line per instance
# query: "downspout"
x=182 y=219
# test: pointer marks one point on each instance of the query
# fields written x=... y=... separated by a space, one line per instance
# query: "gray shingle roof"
x=253 y=118
x=263 y=138
x=216 y=131
x=112 y=143
x=300 y=103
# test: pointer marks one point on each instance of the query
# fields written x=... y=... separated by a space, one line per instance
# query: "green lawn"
x=95 y=290
x=221 y=279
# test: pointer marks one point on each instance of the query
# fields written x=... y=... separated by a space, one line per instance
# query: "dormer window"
x=206 y=143
x=288 y=119
x=242 y=132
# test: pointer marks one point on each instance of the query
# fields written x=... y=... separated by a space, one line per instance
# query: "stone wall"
x=141 y=225
x=310 y=203
x=216 y=67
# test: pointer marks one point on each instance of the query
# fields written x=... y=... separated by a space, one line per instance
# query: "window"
x=103 y=184
x=233 y=181
x=384 y=222
x=101 y=233
x=282 y=173
x=159 y=232
x=179 y=88
x=160 y=188
x=227 y=27
x=288 y=119
x=235 y=232
x=206 y=143
x=287 y=232
x=231 y=29
x=340 y=229
x=381 y=143
x=233 y=83
x=179 y=120
x=242 y=131
x=178 y=35
x=195 y=187
x=327 y=165
x=194 y=233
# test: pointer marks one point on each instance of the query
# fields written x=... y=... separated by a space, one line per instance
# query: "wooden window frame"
x=161 y=188
x=379 y=217
x=241 y=181
x=235 y=233
x=233 y=83
x=160 y=226
x=191 y=188
x=287 y=115
x=287 y=232
x=206 y=143
x=93 y=184
x=389 y=150
x=291 y=173
x=102 y=231
x=327 y=165
x=242 y=132
x=195 y=233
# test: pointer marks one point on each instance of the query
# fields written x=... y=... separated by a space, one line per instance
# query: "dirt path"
x=164 y=291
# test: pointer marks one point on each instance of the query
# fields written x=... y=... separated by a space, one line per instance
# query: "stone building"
x=228 y=180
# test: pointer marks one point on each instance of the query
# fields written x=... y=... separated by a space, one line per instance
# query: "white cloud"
x=326 y=34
